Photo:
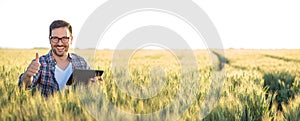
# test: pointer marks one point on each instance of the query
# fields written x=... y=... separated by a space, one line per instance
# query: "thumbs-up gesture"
x=33 y=67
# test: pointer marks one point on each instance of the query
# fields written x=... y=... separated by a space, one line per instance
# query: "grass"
x=243 y=96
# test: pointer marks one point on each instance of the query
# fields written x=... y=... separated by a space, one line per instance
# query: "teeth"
x=60 y=48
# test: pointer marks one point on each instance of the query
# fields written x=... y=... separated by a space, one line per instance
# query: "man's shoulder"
x=45 y=57
x=78 y=61
x=76 y=57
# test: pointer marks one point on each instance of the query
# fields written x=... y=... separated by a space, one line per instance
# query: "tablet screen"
x=83 y=76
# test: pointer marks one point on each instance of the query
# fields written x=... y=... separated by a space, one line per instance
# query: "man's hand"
x=99 y=78
x=96 y=78
x=32 y=69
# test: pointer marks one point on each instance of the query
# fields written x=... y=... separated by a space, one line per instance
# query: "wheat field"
x=249 y=79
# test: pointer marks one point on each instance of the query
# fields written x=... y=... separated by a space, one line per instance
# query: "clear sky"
x=260 y=24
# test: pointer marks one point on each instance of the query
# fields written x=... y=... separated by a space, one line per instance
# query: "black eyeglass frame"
x=55 y=39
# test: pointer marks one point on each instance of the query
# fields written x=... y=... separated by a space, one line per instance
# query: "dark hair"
x=59 y=23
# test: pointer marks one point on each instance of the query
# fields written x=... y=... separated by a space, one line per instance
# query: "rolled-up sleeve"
x=20 y=80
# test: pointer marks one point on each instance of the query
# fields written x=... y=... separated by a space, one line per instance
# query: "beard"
x=60 y=53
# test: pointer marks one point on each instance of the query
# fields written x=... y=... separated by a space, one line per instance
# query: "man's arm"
x=32 y=69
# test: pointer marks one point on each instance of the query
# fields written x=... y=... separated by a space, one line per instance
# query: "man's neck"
x=62 y=62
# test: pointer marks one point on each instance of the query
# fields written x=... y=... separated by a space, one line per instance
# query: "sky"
x=255 y=24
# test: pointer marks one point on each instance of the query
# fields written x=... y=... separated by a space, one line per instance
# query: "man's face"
x=60 y=40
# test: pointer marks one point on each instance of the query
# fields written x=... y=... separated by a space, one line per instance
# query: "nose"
x=60 y=42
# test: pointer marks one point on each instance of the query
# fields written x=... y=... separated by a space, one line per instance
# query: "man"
x=50 y=72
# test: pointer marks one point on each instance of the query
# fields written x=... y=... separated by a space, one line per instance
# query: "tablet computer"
x=83 y=76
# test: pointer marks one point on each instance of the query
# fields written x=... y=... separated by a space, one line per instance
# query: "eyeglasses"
x=56 y=39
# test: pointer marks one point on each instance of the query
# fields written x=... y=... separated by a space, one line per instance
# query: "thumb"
x=37 y=58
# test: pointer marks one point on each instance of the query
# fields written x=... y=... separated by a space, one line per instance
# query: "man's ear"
x=49 y=39
x=71 y=39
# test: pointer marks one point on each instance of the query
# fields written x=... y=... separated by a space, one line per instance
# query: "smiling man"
x=50 y=72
